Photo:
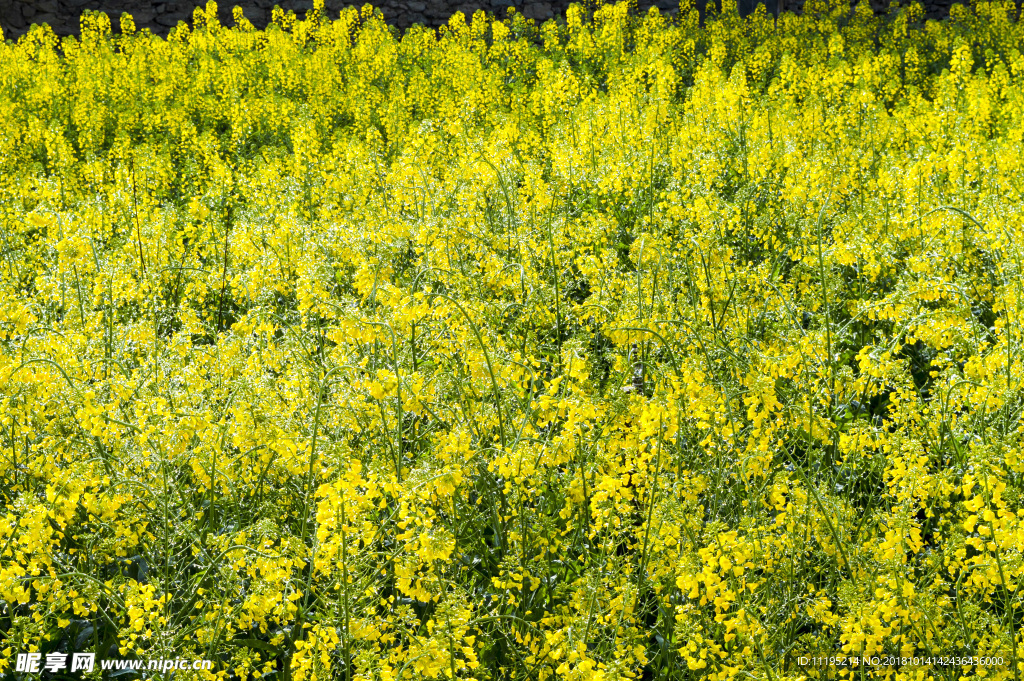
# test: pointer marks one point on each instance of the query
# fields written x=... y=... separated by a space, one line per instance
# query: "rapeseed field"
x=621 y=347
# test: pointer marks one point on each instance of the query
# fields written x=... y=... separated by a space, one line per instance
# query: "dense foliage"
x=620 y=347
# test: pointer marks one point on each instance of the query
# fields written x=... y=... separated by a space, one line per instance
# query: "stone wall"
x=160 y=15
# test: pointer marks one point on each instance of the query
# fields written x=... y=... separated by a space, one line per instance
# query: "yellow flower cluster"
x=622 y=347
